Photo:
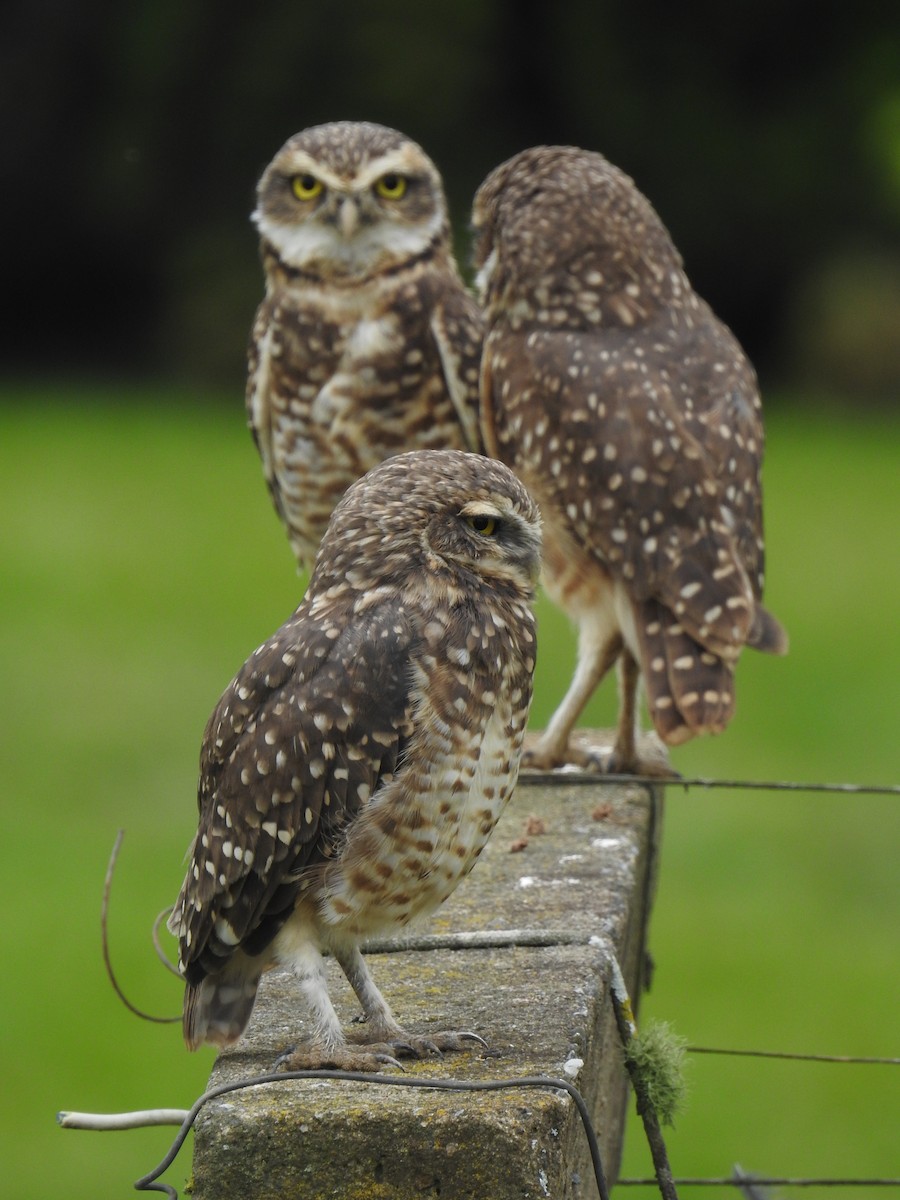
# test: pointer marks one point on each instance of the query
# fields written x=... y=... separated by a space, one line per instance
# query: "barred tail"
x=690 y=690
x=217 y=1009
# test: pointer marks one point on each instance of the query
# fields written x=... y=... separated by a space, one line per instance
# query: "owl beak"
x=348 y=218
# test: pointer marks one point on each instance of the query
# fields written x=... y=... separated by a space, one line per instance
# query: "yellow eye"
x=391 y=186
x=306 y=187
x=486 y=526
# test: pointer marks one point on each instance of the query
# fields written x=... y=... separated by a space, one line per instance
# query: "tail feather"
x=218 y=1008
x=689 y=689
x=767 y=633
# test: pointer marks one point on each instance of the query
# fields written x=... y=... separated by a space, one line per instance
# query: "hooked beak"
x=348 y=218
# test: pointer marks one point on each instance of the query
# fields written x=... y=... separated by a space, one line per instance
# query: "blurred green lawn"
x=141 y=562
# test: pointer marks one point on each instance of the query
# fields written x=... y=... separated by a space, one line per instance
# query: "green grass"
x=141 y=562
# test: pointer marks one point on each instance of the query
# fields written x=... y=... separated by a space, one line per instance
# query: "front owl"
x=367 y=343
x=355 y=767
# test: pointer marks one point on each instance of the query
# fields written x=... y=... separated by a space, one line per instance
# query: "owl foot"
x=341 y=1058
x=651 y=767
x=601 y=752
x=411 y=1045
x=447 y=1040
x=538 y=759
x=651 y=760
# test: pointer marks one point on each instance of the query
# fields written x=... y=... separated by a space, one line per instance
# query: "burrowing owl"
x=633 y=416
x=355 y=767
x=367 y=343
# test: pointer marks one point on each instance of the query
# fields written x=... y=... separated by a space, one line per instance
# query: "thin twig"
x=627 y=1032
x=104 y=915
x=476 y=939
x=160 y=953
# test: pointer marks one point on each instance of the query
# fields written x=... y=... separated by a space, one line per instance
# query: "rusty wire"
x=565 y=777
x=761 y=1181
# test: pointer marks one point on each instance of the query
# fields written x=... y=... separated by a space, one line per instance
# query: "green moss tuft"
x=659 y=1055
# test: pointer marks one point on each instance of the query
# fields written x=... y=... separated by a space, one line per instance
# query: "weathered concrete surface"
x=581 y=888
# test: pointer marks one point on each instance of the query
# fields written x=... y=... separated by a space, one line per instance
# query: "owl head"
x=347 y=200
x=427 y=516
x=564 y=235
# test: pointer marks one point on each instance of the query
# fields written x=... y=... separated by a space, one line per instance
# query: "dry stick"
x=104 y=915
x=627 y=1032
x=160 y=953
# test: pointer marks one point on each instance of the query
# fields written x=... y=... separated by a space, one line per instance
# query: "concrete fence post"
x=520 y=954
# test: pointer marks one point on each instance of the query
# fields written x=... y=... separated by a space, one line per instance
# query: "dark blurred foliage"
x=767 y=135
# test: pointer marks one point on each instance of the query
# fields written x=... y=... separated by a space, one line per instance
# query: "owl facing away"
x=633 y=416
x=367 y=343
x=355 y=767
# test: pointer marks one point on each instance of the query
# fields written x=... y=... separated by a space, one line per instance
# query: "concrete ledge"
x=511 y=957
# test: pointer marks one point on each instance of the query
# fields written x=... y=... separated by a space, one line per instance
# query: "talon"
x=404 y=1047
x=389 y=1061
x=473 y=1037
x=431 y=1047
x=339 y=1058
x=283 y=1057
